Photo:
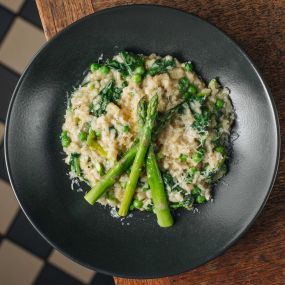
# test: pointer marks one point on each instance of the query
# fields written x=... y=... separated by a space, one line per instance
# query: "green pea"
x=83 y=136
x=192 y=171
x=137 y=78
x=65 y=139
x=94 y=66
x=183 y=157
x=140 y=70
x=126 y=128
x=220 y=103
x=104 y=69
x=189 y=66
x=100 y=168
x=220 y=149
x=197 y=157
x=192 y=89
x=196 y=191
x=201 y=199
x=137 y=203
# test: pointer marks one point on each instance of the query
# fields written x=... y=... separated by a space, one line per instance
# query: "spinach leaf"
x=201 y=121
x=131 y=61
x=114 y=64
x=169 y=183
x=161 y=66
x=108 y=94
x=75 y=164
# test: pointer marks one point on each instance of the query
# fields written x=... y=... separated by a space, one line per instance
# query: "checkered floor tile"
x=25 y=257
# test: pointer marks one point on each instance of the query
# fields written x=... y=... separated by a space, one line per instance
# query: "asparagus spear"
x=112 y=175
x=121 y=166
x=145 y=140
x=158 y=194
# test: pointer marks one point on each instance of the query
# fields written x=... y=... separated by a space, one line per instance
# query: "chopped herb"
x=169 y=183
x=196 y=191
x=108 y=94
x=132 y=61
x=75 y=164
x=190 y=175
x=65 y=139
x=114 y=64
x=161 y=66
x=192 y=89
x=199 y=155
x=201 y=121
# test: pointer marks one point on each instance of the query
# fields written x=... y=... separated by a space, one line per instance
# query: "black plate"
x=89 y=235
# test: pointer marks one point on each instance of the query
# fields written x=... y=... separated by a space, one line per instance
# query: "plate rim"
x=267 y=90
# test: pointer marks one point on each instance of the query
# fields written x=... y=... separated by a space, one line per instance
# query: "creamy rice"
x=177 y=144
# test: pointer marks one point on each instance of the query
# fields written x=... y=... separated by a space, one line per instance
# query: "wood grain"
x=259 y=27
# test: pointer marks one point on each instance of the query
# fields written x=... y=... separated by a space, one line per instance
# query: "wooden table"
x=259 y=27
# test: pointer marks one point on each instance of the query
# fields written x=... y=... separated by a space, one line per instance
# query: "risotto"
x=101 y=125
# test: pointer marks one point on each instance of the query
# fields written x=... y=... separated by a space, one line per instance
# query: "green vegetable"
x=183 y=157
x=137 y=78
x=192 y=89
x=169 y=183
x=196 y=191
x=114 y=64
x=201 y=199
x=201 y=121
x=75 y=164
x=219 y=104
x=186 y=203
x=132 y=61
x=137 y=204
x=108 y=94
x=83 y=136
x=158 y=194
x=199 y=155
x=100 y=168
x=189 y=66
x=123 y=165
x=190 y=175
x=111 y=176
x=220 y=149
x=65 y=139
x=183 y=84
x=104 y=69
x=145 y=140
x=94 y=67
x=140 y=70
x=161 y=66
x=126 y=128
x=91 y=142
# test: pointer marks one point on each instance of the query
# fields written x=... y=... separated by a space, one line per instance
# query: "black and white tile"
x=25 y=257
